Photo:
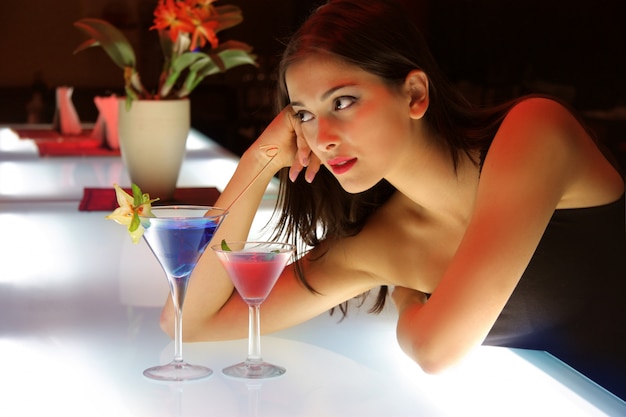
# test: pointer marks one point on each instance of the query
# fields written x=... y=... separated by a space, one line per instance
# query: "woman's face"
x=358 y=126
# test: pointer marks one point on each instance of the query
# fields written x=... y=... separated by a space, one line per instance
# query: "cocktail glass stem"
x=178 y=288
x=254 y=335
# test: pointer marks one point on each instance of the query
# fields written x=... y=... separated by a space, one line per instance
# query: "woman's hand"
x=305 y=158
x=283 y=140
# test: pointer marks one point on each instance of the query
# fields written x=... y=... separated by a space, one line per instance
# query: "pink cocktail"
x=254 y=274
x=254 y=268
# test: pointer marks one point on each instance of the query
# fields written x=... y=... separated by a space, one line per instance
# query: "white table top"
x=25 y=176
x=79 y=307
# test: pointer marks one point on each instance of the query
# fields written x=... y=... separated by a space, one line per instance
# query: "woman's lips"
x=341 y=165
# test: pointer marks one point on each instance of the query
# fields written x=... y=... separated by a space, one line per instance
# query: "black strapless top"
x=571 y=300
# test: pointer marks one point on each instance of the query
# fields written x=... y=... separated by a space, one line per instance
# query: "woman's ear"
x=416 y=84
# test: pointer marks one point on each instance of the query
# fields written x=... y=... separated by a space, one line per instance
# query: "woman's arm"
x=533 y=165
x=210 y=288
x=213 y=310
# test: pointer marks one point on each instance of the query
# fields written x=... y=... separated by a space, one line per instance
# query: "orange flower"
x=170 y=15
x=196 y=17
x=202 y=4
x=204 y=25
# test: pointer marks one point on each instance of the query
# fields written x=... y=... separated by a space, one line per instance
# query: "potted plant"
x=184 y=27
x=153 y=124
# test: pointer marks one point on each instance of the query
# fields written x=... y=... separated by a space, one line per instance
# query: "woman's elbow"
x=191 y=333
x=432 y=367
x=432 y=359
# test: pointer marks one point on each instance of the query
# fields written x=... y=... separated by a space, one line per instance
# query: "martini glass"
x=254 y=268
x=178 y=235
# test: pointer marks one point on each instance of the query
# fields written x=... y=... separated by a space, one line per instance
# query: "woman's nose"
x=327 y=137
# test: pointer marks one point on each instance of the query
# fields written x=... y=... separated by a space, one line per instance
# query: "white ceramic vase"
x=153 y=136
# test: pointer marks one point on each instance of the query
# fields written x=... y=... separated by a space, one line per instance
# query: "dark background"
x=492 y=49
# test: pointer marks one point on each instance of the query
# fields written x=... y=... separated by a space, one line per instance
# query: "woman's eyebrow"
x=325 y=95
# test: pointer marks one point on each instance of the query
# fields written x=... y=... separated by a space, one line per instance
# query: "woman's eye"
x=343 y=102
x=303 y=116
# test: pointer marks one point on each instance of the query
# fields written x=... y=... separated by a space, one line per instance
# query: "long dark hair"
x=376 y=36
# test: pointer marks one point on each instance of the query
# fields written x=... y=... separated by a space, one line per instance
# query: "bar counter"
x=79 y=322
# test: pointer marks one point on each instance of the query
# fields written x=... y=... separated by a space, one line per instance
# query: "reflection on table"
x=79 y=321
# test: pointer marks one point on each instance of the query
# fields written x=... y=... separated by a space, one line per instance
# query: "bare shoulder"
x=546 y=138
x=546 y=126
x=537 y=142
x=538 y=118
x=543 y=103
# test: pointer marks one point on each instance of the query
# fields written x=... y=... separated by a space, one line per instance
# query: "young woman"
x=500 y=226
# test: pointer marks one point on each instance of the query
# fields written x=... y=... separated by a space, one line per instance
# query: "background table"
x=79 y=322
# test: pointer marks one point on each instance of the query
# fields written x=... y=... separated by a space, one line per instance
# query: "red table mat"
x=103 y=199
x=53 y=143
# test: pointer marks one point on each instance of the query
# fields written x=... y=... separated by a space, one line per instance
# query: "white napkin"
x=106 y=125
x=66 y=118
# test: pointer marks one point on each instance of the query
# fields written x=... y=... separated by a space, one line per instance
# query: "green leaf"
x=232 y=44
x=227 y=17
x=235 y=57
x=85 y=45
x=225 y=246
x=134 y=223
x=215 y=63
x=130 y=96
x=137 y=195
x=111 y=39
x=206 y=66
x=186 y=60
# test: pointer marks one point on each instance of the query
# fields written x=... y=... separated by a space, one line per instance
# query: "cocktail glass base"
x=254 y=370
x=177 y=371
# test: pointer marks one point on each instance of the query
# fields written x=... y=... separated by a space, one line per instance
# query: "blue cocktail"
x=178 y=235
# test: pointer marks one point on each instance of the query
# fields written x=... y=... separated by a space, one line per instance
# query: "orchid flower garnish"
x=130 y=208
